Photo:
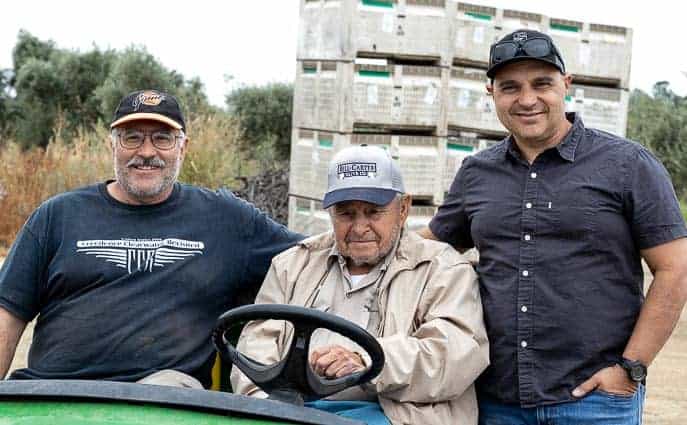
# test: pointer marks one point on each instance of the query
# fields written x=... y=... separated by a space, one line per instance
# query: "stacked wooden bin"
x=409 y=75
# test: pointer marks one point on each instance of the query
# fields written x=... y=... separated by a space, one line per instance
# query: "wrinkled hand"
x=335 y=361
x=612 y=380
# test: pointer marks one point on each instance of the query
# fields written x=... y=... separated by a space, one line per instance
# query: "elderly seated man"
x=418 y=297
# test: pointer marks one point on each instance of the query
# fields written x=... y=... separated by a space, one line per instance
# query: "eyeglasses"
x=161 y=139
x=536 y=47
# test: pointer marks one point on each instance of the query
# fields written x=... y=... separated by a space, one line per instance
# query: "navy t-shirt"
x=122 y=291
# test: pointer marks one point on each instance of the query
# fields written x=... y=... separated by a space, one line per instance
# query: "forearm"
x=11 y=329
x=658 y=317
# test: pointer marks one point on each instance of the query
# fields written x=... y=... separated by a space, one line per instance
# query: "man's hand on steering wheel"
x=335 y=361
x=292 y=379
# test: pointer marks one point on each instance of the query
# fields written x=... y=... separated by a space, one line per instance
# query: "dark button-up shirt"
x=559 y=240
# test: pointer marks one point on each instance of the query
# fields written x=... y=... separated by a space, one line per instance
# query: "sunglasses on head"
x=536 y=47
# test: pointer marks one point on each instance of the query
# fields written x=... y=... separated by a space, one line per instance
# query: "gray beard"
x=122 y=177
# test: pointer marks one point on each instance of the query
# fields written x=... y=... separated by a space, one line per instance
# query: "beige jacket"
x=433 y=333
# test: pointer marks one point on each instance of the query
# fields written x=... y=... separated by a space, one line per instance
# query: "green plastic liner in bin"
x=367 y=73
x=326 y=143
x=561 y=27
x=378 y=3
x=481 y=16
x=457 y=147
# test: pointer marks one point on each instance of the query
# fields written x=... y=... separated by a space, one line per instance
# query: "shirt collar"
x=566 y=148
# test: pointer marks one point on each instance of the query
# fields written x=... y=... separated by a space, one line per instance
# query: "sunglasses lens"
x=503 y=52
x=537 y=48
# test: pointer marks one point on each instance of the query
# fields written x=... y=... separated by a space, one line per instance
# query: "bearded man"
x=128 y=276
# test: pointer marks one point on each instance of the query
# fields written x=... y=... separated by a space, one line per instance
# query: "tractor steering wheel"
x=292 y=379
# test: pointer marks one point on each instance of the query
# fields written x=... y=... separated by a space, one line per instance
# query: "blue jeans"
x=364 y=411
x=598 y=408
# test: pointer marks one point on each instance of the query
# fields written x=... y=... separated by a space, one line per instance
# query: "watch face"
x=637 y=373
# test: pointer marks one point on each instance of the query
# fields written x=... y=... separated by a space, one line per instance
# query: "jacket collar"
x=408 y=254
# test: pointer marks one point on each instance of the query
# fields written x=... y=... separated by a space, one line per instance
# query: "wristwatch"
x=634 y=368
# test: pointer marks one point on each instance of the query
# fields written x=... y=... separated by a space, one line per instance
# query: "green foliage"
x=60 y=88
x=134 y=69
x=52 y=90
x=8 y=111
x=82 y=74
x=683 y=207
x=659 y=122
x=30 y=47
x=194 y=101
x=264 y=113
x=36 y=82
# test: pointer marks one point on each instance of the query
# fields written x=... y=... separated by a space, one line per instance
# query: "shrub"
x=264 y=113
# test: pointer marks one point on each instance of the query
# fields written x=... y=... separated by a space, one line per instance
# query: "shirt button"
x=523 y=344
x=528 y=205
x=523 y=309
x=525 y=273
x=533 y=175
x=528 y=237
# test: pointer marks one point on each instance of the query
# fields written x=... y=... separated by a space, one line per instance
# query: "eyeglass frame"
x=520 y=48
x=147 y=134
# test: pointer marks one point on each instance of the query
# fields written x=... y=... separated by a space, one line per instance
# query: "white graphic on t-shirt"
x=141 y=254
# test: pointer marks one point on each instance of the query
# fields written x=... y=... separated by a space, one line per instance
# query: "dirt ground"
x=666 y=402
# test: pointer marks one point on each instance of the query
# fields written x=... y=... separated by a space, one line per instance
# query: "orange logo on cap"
x=150 y=98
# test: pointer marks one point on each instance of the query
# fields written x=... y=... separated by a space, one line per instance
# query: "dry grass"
x=213 y=159
x=29 y=177
x=666 y=403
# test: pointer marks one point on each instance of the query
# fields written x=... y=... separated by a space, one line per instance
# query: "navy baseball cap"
x=149 y=105
x=524 y=44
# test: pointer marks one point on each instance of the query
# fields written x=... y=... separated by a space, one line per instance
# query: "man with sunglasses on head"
x=127 y=277
x=562 y=215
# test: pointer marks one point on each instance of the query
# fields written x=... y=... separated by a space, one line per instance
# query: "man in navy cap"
x=562 y=215
x=128 y=276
